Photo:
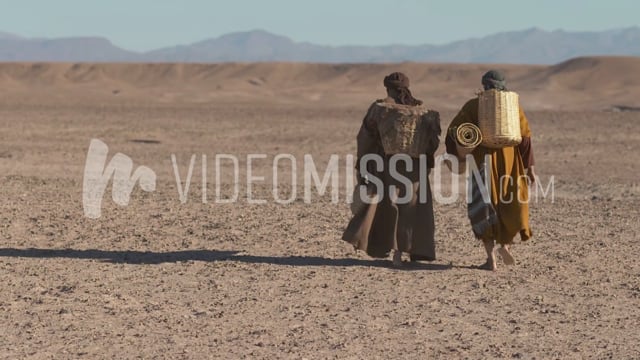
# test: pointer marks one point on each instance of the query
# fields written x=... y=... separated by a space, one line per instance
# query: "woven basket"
x=407 y=129
x=499 y=118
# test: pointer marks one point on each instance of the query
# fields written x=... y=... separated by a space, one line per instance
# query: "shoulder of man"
x=388 y=100
x=471 y=103
x=470 y=107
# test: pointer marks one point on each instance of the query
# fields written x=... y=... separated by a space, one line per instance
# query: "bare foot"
x=491 y=257
x=397 y=258
x=489 y=265
x=506 y=256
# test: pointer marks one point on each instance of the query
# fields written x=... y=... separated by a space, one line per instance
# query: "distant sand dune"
x=588 y=82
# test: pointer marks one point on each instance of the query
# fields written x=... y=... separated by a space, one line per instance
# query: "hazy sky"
x=148 y=24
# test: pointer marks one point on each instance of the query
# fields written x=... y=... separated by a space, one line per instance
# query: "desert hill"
x=597 y=83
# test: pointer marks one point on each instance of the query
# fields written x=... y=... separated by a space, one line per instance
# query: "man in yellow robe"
x=510 y=171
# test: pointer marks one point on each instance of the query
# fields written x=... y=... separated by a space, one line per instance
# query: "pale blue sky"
x=148 y=24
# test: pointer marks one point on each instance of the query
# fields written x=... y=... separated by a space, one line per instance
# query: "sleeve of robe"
x=368 y=141
x=435 y=130
x=525 y=147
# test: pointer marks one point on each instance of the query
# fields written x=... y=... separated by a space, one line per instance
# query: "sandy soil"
x=159 y=278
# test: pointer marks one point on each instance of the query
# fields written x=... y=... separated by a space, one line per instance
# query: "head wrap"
x=399 y=82
x=396 y=80
x=494 y=79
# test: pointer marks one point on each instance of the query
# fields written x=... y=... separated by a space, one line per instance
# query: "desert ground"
x=160 y=278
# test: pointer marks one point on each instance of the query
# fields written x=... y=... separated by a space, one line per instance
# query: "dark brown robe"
x=379 y=228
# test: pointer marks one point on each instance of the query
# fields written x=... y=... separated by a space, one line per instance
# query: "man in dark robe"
x=406 y=227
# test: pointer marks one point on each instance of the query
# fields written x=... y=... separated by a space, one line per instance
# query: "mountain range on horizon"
x=530 y=46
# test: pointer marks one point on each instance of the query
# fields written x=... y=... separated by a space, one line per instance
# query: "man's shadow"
x=150 y=257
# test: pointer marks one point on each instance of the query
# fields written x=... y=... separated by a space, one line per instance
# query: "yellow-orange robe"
x=509 y=197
